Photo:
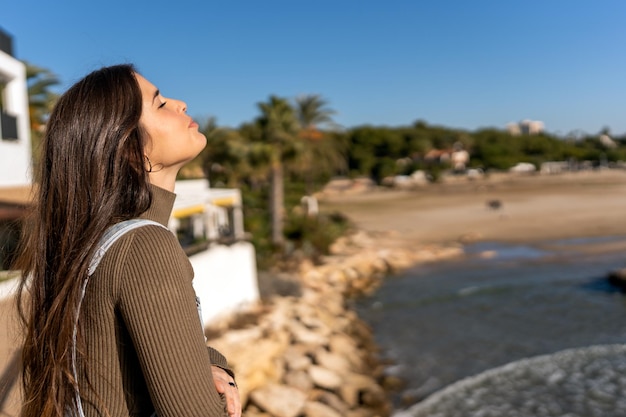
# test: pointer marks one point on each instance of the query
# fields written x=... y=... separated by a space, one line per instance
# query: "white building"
x=209 y=225
x=15 y=154
x=525 y=127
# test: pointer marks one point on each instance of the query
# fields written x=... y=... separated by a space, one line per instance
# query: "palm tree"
x=40 y=99
x=312 y=113
x=278 y=130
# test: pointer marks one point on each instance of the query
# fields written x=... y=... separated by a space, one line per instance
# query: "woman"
x=112 y=149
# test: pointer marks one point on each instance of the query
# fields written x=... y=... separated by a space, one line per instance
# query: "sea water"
x=508 y=330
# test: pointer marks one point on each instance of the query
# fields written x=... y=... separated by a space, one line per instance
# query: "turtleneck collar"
x=162 y=205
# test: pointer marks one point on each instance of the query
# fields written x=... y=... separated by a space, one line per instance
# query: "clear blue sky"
x=463 y=64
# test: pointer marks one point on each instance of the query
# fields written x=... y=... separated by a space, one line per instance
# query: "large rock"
x=342 y=345
x=279 y=400
x=357 y=386
x=300 y=380
x=296 y=358
x=333 y=361
x=303 y=335
x=325 y=378
x=330 y=399
x=253 y=358
x=313 y=409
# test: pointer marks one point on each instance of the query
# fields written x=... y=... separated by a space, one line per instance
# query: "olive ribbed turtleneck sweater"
x=145 y=346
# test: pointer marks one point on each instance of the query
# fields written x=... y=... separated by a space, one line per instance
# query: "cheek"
x=154 y=133
x=165 y=128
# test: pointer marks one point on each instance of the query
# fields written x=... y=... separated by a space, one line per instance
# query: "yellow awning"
x=224 y=201
x=188 y=211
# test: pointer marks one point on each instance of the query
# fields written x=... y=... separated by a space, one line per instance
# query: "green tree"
x=279 y=127
x=320 y=151
x=225 y=159
x=496 y=149
x=373 y=151
x=313 y=111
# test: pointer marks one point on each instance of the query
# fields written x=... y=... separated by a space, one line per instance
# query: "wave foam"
x=580 y=382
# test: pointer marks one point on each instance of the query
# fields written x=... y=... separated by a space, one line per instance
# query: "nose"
x=182 y=106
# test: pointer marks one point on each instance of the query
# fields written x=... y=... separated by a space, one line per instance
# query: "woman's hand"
x=226 y=385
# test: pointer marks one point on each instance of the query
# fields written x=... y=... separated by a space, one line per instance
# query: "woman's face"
x=172 y=138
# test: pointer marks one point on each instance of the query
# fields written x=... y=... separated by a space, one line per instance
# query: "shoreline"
x=533 y=208
x=570 y=213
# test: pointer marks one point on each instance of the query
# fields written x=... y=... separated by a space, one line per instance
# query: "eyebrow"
x=156 y=94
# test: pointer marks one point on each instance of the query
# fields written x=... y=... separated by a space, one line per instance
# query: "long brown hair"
x=91 y=175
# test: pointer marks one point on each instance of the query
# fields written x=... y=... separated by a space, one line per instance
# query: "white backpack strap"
x=107 y=240
x=110 y=237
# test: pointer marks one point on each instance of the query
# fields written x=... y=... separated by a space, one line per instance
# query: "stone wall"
x=309 y=355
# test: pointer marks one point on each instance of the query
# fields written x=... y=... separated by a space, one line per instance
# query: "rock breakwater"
x=309 y=355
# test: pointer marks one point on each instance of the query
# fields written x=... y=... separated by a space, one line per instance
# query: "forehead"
x=147 y=88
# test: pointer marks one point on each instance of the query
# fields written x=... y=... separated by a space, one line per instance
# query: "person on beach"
x=128 y=340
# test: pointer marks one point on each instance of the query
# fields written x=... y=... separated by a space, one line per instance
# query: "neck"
x=165 y=179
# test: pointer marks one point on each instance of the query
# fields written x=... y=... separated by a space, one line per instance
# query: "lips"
x=192 y=123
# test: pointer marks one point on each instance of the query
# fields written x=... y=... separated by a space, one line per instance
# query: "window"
x=8 y=122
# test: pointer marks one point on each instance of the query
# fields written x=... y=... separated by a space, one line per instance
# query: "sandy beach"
x=534 y=208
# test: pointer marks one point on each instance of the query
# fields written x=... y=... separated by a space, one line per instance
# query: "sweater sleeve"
x=219 y=360
x=158 y=306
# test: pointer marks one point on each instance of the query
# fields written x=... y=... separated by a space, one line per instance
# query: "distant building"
x=523 y=168
x=459 y=159
x=441 y=156
x=554 y=167
x=525 y=127
x=607 y=141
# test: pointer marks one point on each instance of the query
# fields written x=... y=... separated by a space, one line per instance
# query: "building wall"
x=225 y=279
x=225 y=271
x=15 y=155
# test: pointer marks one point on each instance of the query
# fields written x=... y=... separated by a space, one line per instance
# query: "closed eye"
x=162 y=104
